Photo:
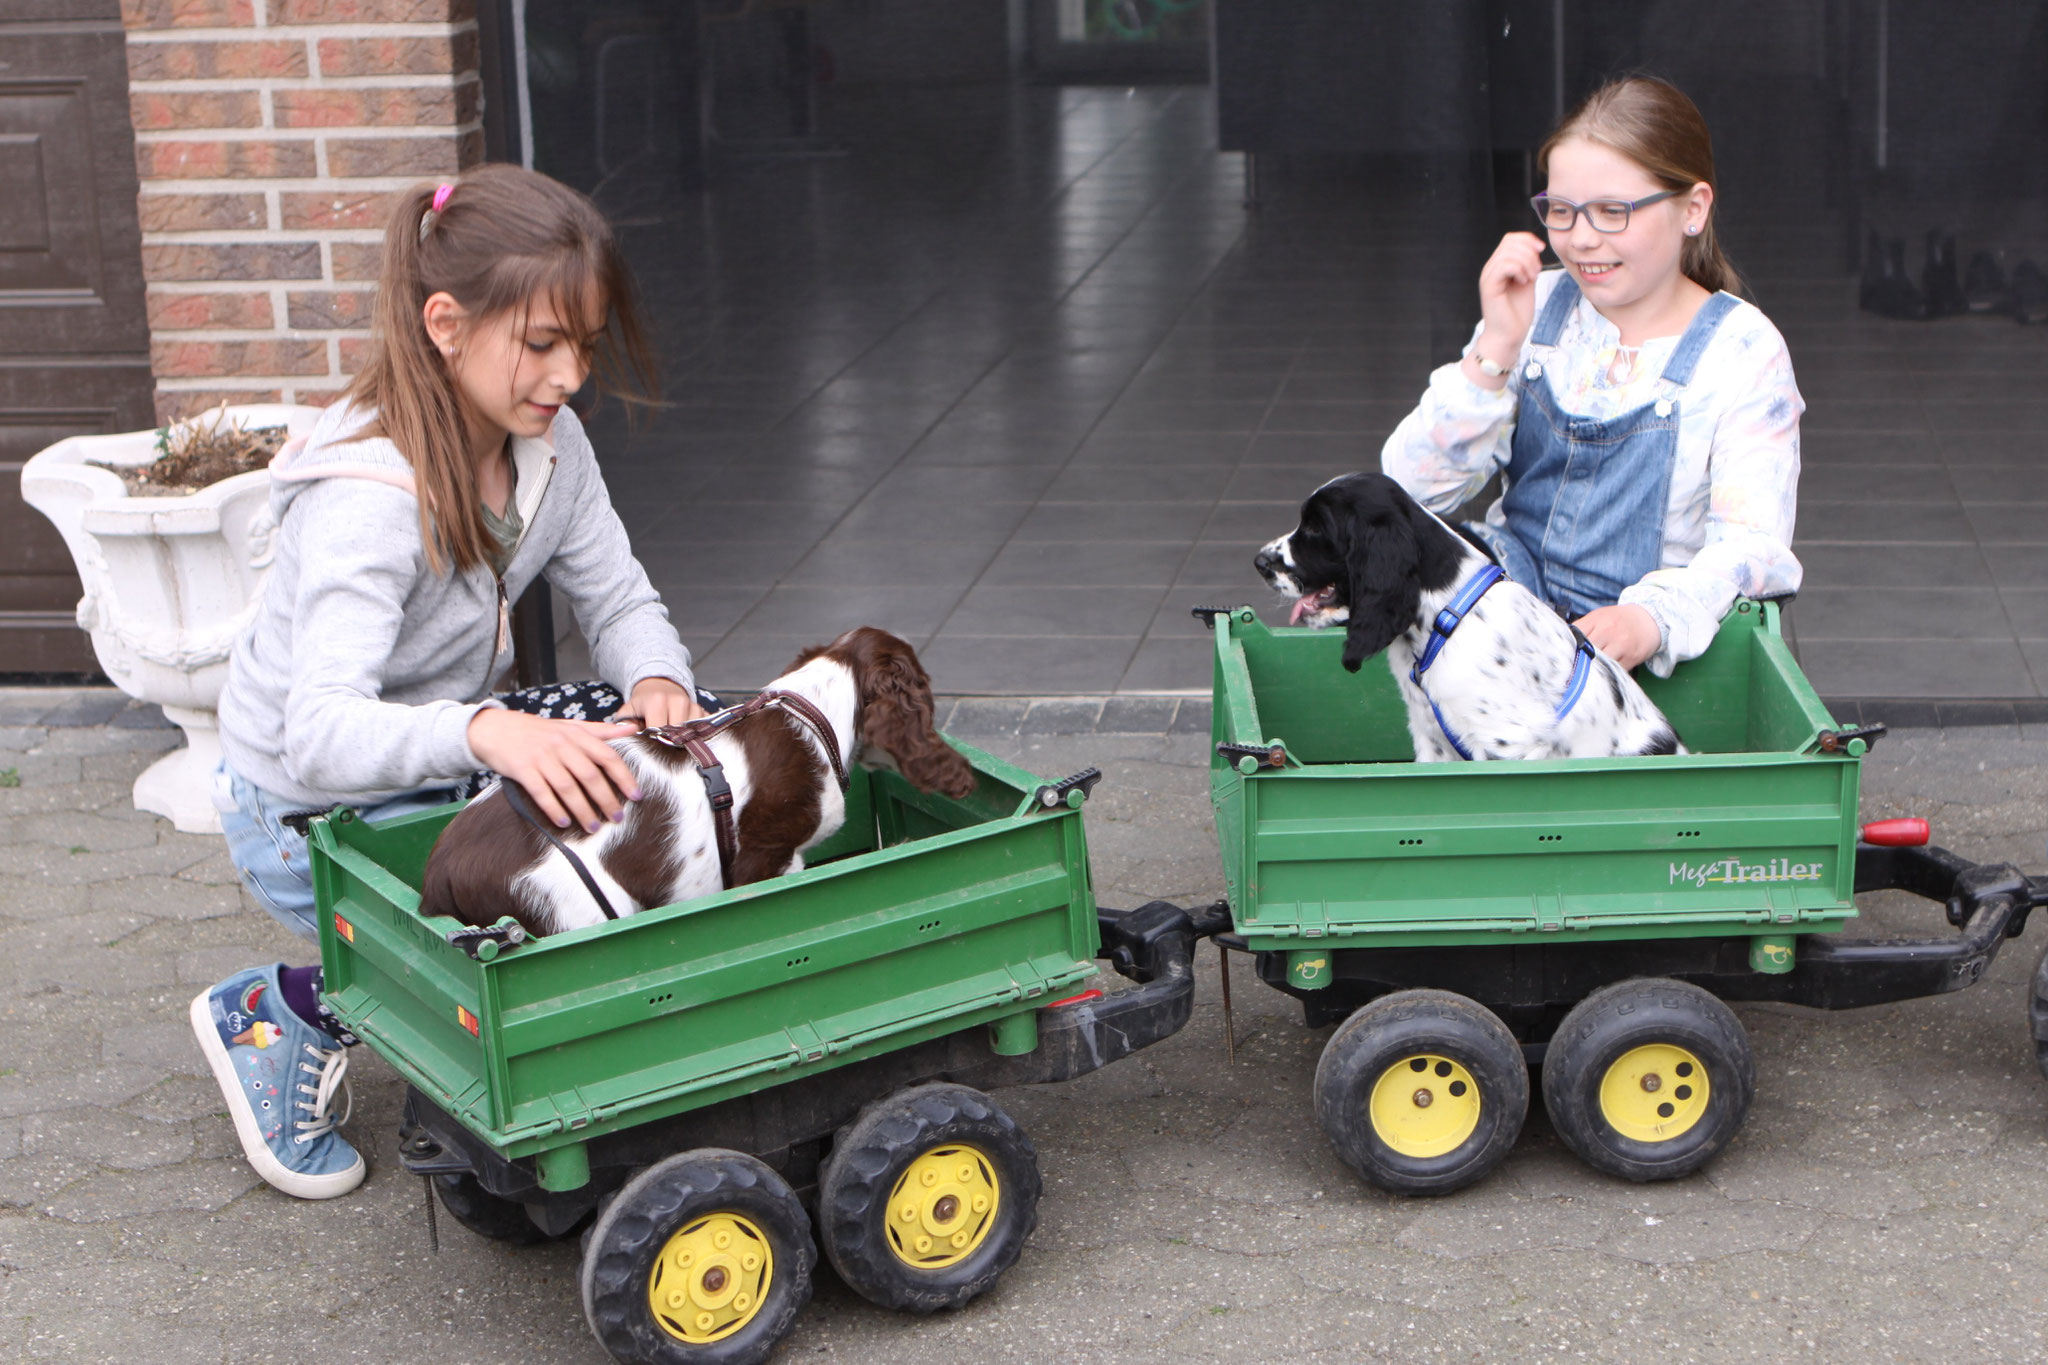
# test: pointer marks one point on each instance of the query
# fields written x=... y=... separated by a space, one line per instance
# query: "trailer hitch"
x=1839 y=741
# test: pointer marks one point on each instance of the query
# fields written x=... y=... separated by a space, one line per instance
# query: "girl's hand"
x=1507 y=296
x=659 y=701
x=1625 y=633
x=564 y=765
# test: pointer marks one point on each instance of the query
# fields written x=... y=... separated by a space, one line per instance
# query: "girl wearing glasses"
x=1644 y=419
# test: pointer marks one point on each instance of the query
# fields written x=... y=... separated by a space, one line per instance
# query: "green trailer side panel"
x=1356 y=844
x=930 y=915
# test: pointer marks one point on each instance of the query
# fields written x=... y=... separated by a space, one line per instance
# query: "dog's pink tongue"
x=1302 y=607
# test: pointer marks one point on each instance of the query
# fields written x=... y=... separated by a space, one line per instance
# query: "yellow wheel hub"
x=1425 y=1106
x=711 y=1278
x=1654 y=1093
x=943 y=1207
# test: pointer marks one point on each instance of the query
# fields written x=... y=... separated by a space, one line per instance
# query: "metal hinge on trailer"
x=1067 y=792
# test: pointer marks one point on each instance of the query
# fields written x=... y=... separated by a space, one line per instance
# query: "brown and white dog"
x=870 y=689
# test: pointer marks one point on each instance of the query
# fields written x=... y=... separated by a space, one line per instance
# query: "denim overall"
x=1585 y=498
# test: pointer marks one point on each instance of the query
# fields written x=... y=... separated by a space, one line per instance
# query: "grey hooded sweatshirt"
x=360 y=672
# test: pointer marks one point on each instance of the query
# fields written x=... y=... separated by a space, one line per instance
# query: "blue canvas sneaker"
x=280 y=1076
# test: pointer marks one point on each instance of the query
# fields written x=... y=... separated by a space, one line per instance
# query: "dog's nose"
x=1266 y=562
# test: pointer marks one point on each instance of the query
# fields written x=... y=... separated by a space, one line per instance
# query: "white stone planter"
x=169 y=584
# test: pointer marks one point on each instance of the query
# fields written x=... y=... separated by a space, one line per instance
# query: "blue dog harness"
x=1452 y=616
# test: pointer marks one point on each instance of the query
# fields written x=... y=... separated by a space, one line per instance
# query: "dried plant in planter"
x=200 y=451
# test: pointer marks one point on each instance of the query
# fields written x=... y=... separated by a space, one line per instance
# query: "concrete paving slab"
x=1884 y=1201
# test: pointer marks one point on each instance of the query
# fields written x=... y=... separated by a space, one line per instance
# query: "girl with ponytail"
x=448 y=477
x=1643 y=418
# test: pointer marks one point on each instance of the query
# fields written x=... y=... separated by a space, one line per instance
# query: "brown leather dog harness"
x=693 y=737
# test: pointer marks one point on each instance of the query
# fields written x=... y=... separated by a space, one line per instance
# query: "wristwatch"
x=1488 y=368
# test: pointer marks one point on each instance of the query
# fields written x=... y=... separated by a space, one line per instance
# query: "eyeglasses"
x=1606 y=215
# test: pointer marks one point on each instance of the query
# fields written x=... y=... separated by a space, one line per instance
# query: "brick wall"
x=270 y=135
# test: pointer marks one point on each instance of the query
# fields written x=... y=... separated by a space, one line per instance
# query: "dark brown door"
x=74 y=339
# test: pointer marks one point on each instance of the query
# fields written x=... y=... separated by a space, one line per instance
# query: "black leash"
x=517 y=799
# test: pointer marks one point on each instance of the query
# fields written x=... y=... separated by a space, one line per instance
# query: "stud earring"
x=1692 y=230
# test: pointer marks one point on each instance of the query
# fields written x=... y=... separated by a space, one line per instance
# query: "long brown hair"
x=1653 y=124
x=502 y=238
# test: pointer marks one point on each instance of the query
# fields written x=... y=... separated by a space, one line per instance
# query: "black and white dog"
x=1486 y=668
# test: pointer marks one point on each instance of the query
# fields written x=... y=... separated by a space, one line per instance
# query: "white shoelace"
x=329 y=1076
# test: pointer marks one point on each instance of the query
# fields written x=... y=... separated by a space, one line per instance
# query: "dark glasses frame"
x=1628 y=209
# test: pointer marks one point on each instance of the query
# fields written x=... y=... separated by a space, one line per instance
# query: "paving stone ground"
x=1887 y=1200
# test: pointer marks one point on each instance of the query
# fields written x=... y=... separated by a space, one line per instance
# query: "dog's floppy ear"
x=1381 y=563
x=897 y=714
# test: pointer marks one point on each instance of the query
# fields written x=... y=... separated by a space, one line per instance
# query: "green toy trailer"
x=1464 y=921
x=702 y=1076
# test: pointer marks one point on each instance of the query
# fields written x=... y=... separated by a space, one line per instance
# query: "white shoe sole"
x=260 y=1156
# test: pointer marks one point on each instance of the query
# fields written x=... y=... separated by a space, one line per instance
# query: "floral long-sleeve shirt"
x=1734 y=483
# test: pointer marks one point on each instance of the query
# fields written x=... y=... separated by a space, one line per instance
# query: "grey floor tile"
x=1288 y=483
x=1179 y=386
x=1224 y=564
x=689 y=521
x=1374 y=420
x=1958 y=565
x=1984 y=482
x=701 y=609
x=1134 y=415
x=1170 y=664
x=2027 y=609
x=973 y=483
x=1344 y=450
x=1175 y=619
x=1106 y=563
x=723 y=563
x=1176 y=521
x=2016 y=565
x=827 y=609
x=1991 y=447
x=1081 y=396
x=1989 y=414
x=1138 y=483
x=1898 y=415
x=1900 y=613
x=1856 y=483
x=910 y=517
x=1039 y=610
x=749 y=660
x=1881 y=523
x=2024 y=522
x=1260 y=521
x=1818 y=447
x=1188 y=448
x=1027 y=666
x=1917 y=668
x=848 y=561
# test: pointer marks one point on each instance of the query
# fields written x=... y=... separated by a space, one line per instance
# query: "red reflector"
x=1076 y=999
x=344 y=928
x=1909 y=832
x=466 y=1019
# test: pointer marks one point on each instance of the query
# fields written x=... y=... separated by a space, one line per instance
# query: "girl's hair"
x=502 y=238
x=1653 y=124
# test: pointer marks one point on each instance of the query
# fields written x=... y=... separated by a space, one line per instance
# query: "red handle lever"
x=1907 y=832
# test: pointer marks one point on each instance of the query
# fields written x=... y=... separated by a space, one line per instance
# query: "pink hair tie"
x=440 y=202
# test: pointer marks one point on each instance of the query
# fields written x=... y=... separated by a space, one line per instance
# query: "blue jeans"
x=272 y=858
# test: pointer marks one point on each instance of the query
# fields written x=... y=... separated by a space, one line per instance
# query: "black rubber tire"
x=1630 y=1014
x=2037 y=1013
x=1408 y=1024
x=654 y=1206
x=871 y=1154
x=484 y=1213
